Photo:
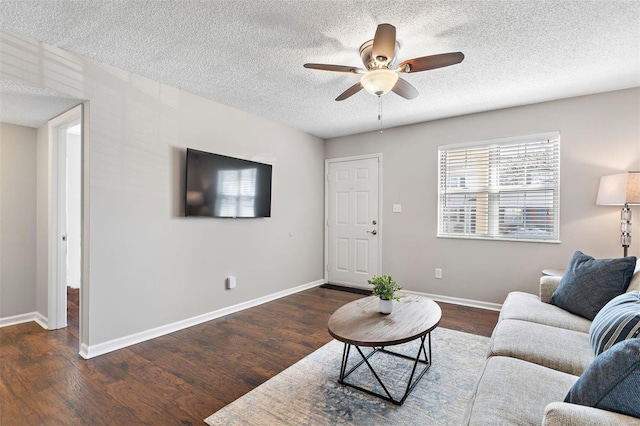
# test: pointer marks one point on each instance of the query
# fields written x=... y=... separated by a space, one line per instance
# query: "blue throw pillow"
x=612 y=380
x=617 y=321
x=588 y=284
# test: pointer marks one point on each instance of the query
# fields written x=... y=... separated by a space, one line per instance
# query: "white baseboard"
x=459 y=301
x=90 y=351
x=22 y=318
x=439 y=298
x=42 y=320
x=84 y=351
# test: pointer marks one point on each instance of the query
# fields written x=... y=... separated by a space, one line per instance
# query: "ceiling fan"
x=380 y=77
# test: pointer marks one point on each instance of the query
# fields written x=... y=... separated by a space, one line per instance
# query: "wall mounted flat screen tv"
x=221 y=186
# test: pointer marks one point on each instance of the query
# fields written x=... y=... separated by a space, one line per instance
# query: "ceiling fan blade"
x=350 y=92
x=404 y=89
x=431 y=62
x=336 y=68
x=384 y=43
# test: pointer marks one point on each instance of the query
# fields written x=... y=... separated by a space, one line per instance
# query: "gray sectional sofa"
x=537 y=352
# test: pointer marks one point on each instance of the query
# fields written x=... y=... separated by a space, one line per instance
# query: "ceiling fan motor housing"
x=376 y=63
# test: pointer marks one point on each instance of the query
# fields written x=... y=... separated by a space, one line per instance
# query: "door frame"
x=57 y=286
x=327 y=162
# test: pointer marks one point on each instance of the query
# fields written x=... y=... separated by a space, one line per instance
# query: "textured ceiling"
x=249 y=54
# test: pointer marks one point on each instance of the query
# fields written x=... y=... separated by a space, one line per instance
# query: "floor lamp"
x=621 y=189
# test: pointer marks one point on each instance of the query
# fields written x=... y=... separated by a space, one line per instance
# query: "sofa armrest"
x=548 y=285
x=565 y=414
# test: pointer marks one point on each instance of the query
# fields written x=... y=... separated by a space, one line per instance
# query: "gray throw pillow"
x=612 y=380
x=588 y=284
x=619 y=320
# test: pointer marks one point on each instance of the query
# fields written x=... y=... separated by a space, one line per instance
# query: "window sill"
x=520 y=240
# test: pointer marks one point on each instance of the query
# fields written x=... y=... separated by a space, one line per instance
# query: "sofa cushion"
x=563 y=414
x=512 y=391
x=612 y=381
x=634 y=285
x=588 y=284
x=528 y=307
x=548 y=284
x=563 y=350
x=617 y=321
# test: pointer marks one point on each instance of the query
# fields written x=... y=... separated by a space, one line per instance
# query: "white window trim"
x=516 y=139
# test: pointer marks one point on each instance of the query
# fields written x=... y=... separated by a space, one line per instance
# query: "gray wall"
x=600 y=135
x=148 y=266
x=17 y=220
x=42 y=221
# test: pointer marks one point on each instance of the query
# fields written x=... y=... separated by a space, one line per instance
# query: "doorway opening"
x=65 y=219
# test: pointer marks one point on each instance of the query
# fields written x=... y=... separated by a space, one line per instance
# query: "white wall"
x=74 y=208
x=147 y=265
x=17 y=220
x=42 y=220
x=600 y=135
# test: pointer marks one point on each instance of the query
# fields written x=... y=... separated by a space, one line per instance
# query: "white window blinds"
x=502 y=189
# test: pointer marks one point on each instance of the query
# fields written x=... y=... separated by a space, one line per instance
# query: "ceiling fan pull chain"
x=380 y=113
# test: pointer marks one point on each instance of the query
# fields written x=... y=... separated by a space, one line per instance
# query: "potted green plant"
x=385 y=288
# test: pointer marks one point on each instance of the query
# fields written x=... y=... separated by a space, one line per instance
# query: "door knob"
x=374 y=232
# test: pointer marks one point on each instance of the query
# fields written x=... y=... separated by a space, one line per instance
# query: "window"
x=507 y=189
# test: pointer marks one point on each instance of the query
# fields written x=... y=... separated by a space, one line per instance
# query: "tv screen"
x=220 y=186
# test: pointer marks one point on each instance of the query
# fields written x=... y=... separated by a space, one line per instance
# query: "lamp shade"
x=619 y=189
x=379 y=82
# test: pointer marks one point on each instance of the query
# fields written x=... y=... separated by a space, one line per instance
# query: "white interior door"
x=353 y=220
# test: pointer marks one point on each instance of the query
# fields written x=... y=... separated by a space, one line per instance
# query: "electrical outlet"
x=439 y=273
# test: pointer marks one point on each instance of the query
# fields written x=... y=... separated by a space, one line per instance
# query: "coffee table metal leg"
x=411 y=386
x=345 y=357
x=365 y=359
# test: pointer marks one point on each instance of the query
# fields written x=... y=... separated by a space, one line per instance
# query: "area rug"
x=308 y=393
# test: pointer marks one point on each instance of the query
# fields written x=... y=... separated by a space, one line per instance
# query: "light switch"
x=397 y=208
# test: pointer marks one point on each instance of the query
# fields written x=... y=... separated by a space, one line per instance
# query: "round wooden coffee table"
x=360 y=324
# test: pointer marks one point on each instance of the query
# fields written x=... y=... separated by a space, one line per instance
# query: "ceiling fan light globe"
x=379 y=82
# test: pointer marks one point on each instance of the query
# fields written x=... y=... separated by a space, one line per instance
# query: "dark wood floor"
x=179 y=378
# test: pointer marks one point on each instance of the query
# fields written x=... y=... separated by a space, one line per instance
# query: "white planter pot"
x=386 y=306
